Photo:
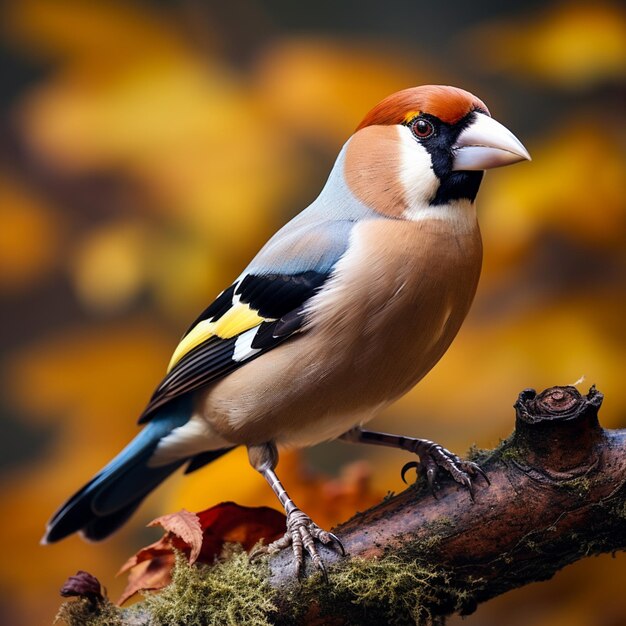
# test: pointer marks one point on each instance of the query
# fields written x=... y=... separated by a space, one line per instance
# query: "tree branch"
x=557 y=494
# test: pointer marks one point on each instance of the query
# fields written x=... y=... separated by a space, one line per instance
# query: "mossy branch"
x=557 y=494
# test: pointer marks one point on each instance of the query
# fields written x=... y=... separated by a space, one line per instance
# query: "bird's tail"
x=113 y=495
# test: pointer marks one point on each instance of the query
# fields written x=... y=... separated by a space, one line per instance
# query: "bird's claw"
x=433 y=457
x=336 y=540
x=407 y=466
x=301 y=535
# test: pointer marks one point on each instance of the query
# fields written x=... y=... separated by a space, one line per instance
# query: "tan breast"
x=395 y=303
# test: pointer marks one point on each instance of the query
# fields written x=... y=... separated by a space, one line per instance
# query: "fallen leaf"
x=186 y=526
x=84 y=585
x=148 y=576
x=231 y=523
x=159 y=548
x=201 y=537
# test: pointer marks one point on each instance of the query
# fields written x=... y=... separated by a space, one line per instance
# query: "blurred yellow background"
x=147 y=150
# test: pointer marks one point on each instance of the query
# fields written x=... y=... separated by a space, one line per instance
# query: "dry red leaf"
x=186 y=526
x=201 y=538
x=231 y=523
x=83 y=585
x=148 y=575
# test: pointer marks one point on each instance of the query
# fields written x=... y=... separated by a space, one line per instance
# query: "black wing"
x=251 y=317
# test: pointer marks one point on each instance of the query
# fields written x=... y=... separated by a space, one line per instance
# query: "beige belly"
x=394 y=305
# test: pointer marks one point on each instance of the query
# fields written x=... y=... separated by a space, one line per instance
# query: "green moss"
x=441 y=525
x=230 y=593
x=580 y=485
x=478 y=455
x=424 y=548
x=510 y=452
x=388 y=590
x=83 y=612
x=507 y=450
x=389 y=584
x=395 y=589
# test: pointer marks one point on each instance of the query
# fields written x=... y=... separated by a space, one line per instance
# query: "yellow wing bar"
x=235 y=321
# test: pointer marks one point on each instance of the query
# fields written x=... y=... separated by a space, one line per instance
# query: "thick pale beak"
x=486 y=144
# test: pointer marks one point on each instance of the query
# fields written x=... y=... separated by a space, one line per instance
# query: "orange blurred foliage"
x=144 y=164
x=570 y=44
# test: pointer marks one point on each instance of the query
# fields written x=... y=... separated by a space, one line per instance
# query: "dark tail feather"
x=101 y=527
x=111 y=497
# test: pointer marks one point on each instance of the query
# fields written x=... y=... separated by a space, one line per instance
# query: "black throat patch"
x=454 y=185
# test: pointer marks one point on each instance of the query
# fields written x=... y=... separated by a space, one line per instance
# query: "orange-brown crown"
x=449 y=104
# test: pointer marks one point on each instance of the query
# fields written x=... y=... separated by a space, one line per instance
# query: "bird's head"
x=425 y=147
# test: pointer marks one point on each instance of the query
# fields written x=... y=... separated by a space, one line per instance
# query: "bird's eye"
x=422 y=128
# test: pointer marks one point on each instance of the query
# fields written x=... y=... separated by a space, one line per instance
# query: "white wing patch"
x=239 y=318
x=243 y=345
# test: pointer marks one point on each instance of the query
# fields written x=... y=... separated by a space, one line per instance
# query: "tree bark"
x=557 y=494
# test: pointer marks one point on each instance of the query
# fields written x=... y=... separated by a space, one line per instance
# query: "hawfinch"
x=340 y=313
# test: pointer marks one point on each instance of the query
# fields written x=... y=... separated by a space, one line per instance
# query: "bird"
x=344 y=310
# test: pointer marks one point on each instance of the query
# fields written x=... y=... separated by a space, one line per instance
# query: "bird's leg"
x=432 y=456
x=302 y=532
